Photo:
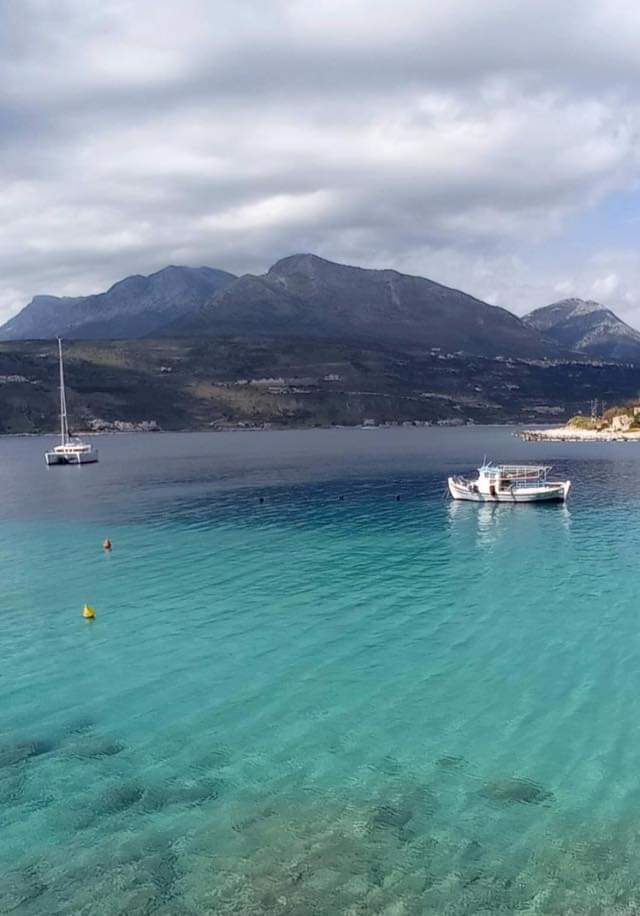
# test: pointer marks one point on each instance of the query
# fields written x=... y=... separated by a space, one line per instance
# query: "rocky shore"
x=573 y=434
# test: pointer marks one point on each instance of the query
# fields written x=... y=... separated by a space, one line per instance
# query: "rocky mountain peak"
x=588 y=327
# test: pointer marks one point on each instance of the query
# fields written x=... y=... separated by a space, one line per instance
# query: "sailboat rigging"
x=70 y=450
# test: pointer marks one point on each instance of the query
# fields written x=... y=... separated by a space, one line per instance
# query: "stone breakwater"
x=572 y=434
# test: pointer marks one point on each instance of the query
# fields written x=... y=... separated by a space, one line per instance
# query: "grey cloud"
x=447 y=138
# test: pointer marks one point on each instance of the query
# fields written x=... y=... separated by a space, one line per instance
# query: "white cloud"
x=605 y=287
x=454 y=139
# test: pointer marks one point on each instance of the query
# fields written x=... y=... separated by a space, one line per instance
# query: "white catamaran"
x=510 y=483
x=70 y=450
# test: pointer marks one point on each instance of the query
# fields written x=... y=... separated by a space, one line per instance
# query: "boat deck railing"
x=518 y=473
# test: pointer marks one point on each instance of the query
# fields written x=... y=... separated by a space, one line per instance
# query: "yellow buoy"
x=88 y=612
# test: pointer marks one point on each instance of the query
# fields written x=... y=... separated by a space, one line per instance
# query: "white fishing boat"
x=70 y=450
x=510 y=483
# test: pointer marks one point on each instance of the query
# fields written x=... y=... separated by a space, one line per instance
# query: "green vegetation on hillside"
x=214 y=383
x=580 y=422
x=608 y=418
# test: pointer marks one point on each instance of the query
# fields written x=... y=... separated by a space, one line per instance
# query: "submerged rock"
x=115 y=800
x=254 y=820
x=417 y=803
x=93 y=748
x=516 y=790
x=451 y=762
x=121 y=797
x=20 y=751
x=214 y=759
x=163 y=873
x=389 y=766
x=391 y=815
x=21 y=887
x=471 y=852
x=376 y=874
x=423 y=799
x=155 y=798
x=11 y=787
x=79 y=726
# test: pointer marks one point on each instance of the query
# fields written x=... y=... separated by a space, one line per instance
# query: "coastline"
x=264 y=428
x=571 y=434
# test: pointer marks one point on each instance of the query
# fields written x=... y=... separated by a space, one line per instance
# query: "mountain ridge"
x=135 y=306
x=587 y=327
x=306 y=295
x=309 y=296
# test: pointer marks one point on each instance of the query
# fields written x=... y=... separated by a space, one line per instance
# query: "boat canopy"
x=517 y=471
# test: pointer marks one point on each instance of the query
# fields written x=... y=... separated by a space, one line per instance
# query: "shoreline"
x=571 y=434
x=263 y=429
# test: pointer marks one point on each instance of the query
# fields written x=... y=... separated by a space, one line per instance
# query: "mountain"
x=587 y=327
x=135 y=307
x=304 y=295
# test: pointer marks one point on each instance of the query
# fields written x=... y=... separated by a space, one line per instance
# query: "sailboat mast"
x=64 y=427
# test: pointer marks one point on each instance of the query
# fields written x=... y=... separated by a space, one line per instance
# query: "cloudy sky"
x=492 y=145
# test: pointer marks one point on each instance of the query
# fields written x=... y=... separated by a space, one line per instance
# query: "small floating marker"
x=107 y=545
x=88 y=612
x=262 y=499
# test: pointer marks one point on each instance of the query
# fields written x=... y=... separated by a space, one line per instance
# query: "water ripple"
x=327 y=701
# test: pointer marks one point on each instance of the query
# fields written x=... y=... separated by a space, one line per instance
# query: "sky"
x=491 y=145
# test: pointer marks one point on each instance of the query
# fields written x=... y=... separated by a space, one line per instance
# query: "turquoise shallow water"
x=330 y=701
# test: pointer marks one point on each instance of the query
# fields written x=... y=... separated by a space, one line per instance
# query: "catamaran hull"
x=551 y=492
x=51 y=458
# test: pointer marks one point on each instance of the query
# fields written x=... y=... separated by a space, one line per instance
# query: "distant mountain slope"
x=309 y=296
x=135 y=307
x=213 y=382
x=587 y=327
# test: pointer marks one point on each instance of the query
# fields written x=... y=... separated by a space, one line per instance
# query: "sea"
x=314 y=684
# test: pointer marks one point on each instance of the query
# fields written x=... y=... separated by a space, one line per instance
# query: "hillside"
x=214 y=383
x=310 y=297
x=135 y=307
x=308 y=343
x=587 y=327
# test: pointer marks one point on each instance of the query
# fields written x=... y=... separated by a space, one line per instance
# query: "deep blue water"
x=328 y=701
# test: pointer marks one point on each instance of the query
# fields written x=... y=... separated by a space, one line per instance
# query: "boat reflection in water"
x=488 y=525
